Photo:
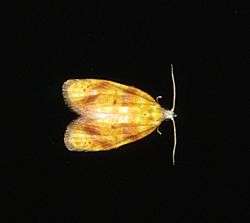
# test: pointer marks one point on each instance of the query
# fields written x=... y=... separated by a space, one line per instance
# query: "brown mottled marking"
x=103 y=143
x=90 y=99
x=137 y=136
x=133 y=91
x=102 y=85
x=130 y=91
x=91 y=130
x=127 y=100
x=124 y=125
x=133 y=137
x=129 y=130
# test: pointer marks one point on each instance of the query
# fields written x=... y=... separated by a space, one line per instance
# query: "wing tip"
x=68 y=137
x=70 y=142
x=66 y=94
x=66 y=86
x=67 y=143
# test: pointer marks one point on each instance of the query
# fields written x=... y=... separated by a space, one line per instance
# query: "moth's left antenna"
x=174 y=90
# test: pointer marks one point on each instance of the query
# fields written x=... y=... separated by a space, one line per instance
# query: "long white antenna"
x=172 y=109
x=174 y=90
x=174 y=147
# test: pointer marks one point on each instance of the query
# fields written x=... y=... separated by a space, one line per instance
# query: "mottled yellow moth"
x=111 y=114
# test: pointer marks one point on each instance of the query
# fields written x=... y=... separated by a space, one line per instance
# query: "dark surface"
x=133 y=44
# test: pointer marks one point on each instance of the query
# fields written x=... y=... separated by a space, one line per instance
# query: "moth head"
x=168 y=114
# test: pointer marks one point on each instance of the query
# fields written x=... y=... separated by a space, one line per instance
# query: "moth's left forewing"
x=84 y=135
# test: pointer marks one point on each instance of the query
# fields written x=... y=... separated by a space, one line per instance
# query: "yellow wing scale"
x=111 y=114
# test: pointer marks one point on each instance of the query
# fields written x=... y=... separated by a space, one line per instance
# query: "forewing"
x=82 y=93
x=88 y=135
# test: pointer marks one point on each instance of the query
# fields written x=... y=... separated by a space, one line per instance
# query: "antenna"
x=174 y=90
x=174 y=147
x=172 y=109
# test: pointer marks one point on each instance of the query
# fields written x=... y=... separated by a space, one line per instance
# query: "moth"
x=112 y=114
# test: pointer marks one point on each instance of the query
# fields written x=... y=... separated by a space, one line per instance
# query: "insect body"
x=111 y=114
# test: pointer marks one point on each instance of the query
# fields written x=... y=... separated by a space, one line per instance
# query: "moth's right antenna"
x=175 y=140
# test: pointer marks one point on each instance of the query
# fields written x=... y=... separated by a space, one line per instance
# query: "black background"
x=134 y=44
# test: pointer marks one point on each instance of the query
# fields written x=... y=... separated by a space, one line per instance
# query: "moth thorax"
x=168 y=114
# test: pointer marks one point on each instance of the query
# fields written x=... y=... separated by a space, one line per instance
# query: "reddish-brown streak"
x=127 y=99
x=91 y=130
x=129 y=130
x=134 y=91
x=132 y=137
x=130 y=91
x=121 y=125
x=136 y=136
x=102 y=85
x=103 y=143
x=90 y=99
